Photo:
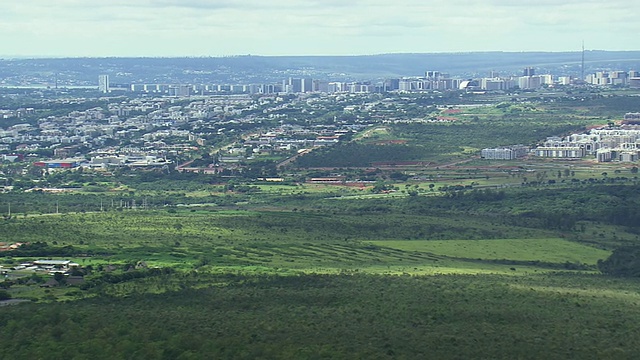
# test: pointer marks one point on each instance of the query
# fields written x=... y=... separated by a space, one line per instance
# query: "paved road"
x=293 y=158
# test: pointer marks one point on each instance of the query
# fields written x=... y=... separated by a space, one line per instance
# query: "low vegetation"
x=340 y=317
x=420 y=250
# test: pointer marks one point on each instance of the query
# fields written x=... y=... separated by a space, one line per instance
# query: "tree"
x=4 y=295
x=379 y=187
x=634 y=170
x=623 y=262
x=59 y=277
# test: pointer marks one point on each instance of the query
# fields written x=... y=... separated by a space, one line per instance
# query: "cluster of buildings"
x=147 y=131
x=604 y=144
x=431 y=81
x=288 y=86
x=434 y=80
x=49 y=266
x=106 y=162
x=153 y=132
x=614 y=78
x=133 y=132
x=296 y=137
x=288 y=139
x=18 y=113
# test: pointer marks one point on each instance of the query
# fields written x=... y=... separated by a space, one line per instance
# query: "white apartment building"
x=505 y=153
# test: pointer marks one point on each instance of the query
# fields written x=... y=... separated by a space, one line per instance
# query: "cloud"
x=226 y=27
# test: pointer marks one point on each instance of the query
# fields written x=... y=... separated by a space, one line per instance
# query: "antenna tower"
x=582 y=66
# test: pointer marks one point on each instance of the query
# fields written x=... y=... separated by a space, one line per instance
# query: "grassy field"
x=295 y=242
x=545 y=250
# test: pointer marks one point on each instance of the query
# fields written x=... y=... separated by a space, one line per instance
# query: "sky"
x=176 y=28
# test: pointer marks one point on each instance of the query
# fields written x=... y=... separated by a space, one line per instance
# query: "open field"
x=308 y=232
x=274 y=239
x=543 y=250
x=332 y=237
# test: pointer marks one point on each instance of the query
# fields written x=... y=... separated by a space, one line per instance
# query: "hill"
x=255 y=69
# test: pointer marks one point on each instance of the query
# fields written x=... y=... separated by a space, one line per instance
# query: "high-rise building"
x=320 y=86
x=292 y=85
x=529 y=82
x=306 y=84
x=564 y=80
x=298 y=85
x=619 y=78
x=391 y=84
x=546 y=79
x=492 y=84
x=432 y=75
x=103 y=83
x=528 y=71
x=179 y=90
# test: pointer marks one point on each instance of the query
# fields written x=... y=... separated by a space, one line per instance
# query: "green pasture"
x=276 y=252
x=186 y=228
x=295 y=240
x=544 y=250
x=304 y=188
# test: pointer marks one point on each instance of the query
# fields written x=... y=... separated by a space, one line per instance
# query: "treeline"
x=599 y=105
x=444 y=138
x=554 y=208
x=431 y=141
x=38 y=202
x=623 y=262
x=130 y=274
x=356 y=154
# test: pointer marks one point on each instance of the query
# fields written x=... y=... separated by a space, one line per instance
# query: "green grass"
x=299 y=241
x=545 y=250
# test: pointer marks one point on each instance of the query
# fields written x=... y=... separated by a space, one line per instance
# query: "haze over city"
x=168 y=28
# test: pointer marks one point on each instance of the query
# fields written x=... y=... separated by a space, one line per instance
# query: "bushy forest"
x=431 y=142
x=338 y=317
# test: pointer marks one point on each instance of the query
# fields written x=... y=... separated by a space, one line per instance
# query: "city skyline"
x=167 y=28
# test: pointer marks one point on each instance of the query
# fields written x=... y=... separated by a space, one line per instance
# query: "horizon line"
x=45 y=57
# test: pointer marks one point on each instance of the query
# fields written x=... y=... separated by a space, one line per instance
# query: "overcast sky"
x=98 y=28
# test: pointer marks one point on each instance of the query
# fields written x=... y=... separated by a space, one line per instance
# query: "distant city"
x=431 y=81
x=376 y=72
x=205 y=127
